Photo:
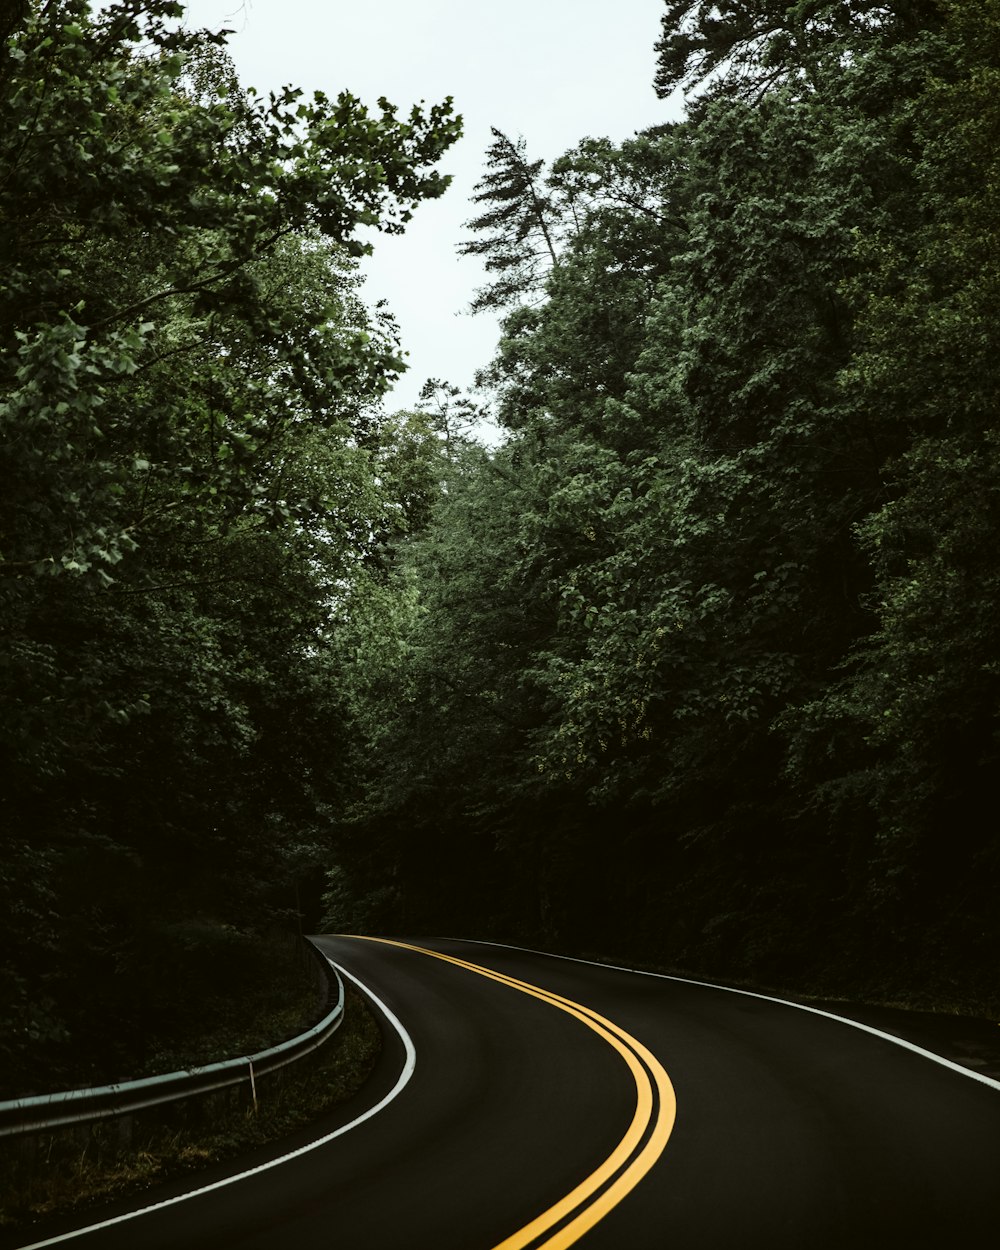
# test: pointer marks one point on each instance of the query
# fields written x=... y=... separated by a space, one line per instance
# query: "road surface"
x=523 y=1101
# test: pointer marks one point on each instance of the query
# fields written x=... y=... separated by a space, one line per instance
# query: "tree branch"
x=224 y=272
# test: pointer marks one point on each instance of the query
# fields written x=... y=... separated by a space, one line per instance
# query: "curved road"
x=524 y=1101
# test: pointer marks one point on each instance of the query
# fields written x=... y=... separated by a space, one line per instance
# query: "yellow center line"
x=632 y=1051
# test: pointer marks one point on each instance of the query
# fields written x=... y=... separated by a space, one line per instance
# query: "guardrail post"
x=253 y=1087
x=36 y=1128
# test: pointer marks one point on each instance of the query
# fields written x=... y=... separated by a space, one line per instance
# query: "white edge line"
x=404 y=1076
x=767 y=998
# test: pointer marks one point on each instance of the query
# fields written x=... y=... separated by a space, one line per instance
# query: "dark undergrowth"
x=68 y=1175
x=174 y=995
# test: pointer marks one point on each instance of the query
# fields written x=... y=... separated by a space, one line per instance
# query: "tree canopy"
x=701 y=661
x=697 y=666
x=187 y=380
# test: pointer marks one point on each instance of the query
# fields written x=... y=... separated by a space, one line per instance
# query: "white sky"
x=552 y=70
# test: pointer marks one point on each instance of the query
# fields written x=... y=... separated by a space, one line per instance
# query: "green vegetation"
x=187 y=379
x=75 y=1177
x=192 y=993
x=700 y=666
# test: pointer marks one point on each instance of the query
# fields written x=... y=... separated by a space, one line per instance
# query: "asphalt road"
x=534 y=1107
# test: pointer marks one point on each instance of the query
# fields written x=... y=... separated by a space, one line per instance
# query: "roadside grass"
x=67 y=1175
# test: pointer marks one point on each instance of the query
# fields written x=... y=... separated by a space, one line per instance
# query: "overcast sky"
x=553 y=71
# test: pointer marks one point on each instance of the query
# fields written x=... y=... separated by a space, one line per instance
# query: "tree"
x=521 y=242
x=744 y=47
x=920 y=692
x=703 y=659
x=567 y=349
x=186 y=380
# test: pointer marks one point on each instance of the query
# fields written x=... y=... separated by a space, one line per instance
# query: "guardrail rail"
x=47 y=1112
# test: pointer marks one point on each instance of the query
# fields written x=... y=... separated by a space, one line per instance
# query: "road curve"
x=524 y=1102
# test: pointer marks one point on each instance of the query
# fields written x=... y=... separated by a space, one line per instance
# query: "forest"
x=697 y=667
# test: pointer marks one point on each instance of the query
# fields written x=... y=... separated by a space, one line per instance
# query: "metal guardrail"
x=85 y=1106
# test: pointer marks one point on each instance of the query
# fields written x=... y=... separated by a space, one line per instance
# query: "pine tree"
x=518 y=231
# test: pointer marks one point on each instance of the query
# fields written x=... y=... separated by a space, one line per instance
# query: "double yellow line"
x=635 y=1154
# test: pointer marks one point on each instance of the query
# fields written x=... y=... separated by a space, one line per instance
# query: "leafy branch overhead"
x=187 y=379
x=741 y=47
x=147 y=209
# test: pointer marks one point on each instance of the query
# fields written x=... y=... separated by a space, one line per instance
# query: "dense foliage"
x=702 y=661
x=186 y=382
x=699 y=665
